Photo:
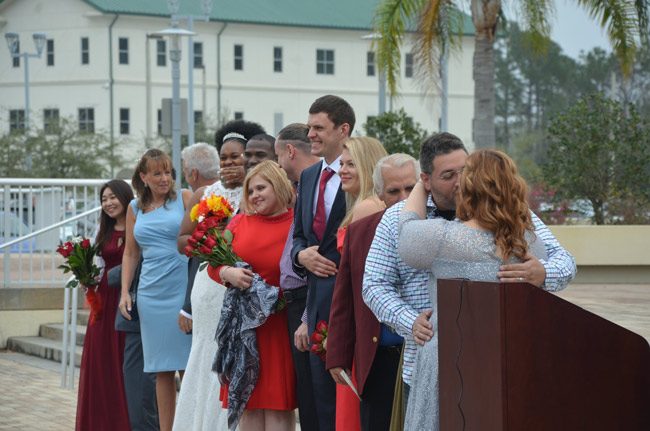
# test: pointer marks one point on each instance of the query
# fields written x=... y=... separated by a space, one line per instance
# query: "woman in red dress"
x=258 y=238
x=101 y=402
x=358 y=160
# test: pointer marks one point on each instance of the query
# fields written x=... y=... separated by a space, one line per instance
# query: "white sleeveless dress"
x=198 y=407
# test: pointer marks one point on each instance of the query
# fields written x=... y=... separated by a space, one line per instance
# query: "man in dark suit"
x=355 y=334
x=320 y=208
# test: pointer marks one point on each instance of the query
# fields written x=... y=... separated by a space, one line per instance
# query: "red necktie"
x=320 y=220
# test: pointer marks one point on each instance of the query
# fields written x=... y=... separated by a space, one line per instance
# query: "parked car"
x=17 y=228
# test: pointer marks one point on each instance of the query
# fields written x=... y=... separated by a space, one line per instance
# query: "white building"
x=265 y=61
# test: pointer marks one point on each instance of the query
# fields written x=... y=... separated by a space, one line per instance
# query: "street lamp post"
x=13 y=44
x=206 y=8
x=382 y=77
x=175 y=34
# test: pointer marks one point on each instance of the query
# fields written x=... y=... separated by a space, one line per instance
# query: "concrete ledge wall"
x=25 y=323
x=608 y=254
x=24 y=310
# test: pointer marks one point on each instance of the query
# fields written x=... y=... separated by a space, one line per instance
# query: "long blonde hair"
x=494 y=194
x=365 y=153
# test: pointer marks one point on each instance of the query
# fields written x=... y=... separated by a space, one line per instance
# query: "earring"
x=146 y=185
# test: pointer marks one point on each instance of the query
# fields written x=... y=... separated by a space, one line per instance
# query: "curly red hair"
x=494 y=194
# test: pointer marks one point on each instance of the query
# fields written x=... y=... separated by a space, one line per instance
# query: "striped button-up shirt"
x=397 y=293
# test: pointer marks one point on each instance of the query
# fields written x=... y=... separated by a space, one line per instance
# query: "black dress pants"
x=377 y=397
x=304 y=390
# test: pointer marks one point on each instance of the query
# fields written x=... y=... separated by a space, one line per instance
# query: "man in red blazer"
x=354 y=332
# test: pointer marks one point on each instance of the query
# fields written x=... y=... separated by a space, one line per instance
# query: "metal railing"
x=36 y=215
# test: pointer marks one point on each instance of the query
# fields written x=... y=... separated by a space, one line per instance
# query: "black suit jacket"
x=319 y=289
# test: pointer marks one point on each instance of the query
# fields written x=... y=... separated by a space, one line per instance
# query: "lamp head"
x=12 y=42
x=39 y=42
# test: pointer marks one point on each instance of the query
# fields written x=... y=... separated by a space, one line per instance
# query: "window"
x=15 y=61
x=123 y=44
x=325 y=61
x=159 y=122
x=239 y=115
x=198 y=119
x=161 y=53
x=198 y=55
x=370 y=63
x=50 y=120
x=277 y=59
x=124 y=121
x=87 y=120
x=50 y=52
x=239 y=57
x=85 y=51
x=408 y=65
x=16 y=120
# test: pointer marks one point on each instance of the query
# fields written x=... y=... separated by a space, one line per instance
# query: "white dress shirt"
x=331 y=188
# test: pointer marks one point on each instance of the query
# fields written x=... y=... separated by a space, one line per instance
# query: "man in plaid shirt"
x=398 y=295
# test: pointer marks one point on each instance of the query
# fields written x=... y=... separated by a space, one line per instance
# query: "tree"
x=439 y=27
x=397 y=131
x=600 y=152
x=61 y=152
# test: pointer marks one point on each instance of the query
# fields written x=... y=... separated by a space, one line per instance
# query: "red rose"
x=65 y=250
x=198 y=234
x=85 y=243
x=321 y=326
x=205 y=250
x=317 y=338
x=191 y=242
x=209 y=242
x=211 y=222
x=188 y=250
x=315 y=349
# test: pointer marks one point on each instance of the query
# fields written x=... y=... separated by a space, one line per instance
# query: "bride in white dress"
x=198 y=407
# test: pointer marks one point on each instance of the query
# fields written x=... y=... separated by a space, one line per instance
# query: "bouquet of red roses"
x=319 y=340
x=208 y=242
x=79 y=256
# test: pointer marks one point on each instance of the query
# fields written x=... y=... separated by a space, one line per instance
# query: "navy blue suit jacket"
x=319 y=296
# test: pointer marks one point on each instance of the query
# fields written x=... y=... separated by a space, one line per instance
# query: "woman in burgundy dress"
x=101 y=403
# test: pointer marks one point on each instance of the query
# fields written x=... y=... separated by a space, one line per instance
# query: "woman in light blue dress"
x=152 y=225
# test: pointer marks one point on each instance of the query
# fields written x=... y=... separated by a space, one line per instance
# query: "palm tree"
x=438 y=27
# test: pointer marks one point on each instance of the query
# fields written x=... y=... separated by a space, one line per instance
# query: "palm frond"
x=440 y=30
x=642 y=7
x=536 y=15
x=621 y=22
x=391 y=20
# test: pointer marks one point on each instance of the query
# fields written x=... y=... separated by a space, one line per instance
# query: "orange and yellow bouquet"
x=209 y=241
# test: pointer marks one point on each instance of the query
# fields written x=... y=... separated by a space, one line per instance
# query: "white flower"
x=77 y=239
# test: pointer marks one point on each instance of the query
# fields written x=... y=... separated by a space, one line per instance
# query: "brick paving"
x=31 y=398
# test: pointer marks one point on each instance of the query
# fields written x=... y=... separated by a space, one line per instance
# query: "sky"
x=574 y=30
x=571 y=28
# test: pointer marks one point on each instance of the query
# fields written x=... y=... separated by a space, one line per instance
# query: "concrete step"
x=82 y=317
x=54 y=331
x=41 y=347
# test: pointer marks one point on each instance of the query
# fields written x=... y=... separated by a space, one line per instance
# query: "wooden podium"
x=514 y=357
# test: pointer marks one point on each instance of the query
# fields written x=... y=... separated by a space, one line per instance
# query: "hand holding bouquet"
x=208 y=242
x=79 y=256
x=319 y=340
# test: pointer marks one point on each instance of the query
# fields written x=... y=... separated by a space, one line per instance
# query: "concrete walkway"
x=31 y=398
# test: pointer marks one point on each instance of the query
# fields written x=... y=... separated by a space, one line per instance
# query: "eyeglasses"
x=450 y=175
